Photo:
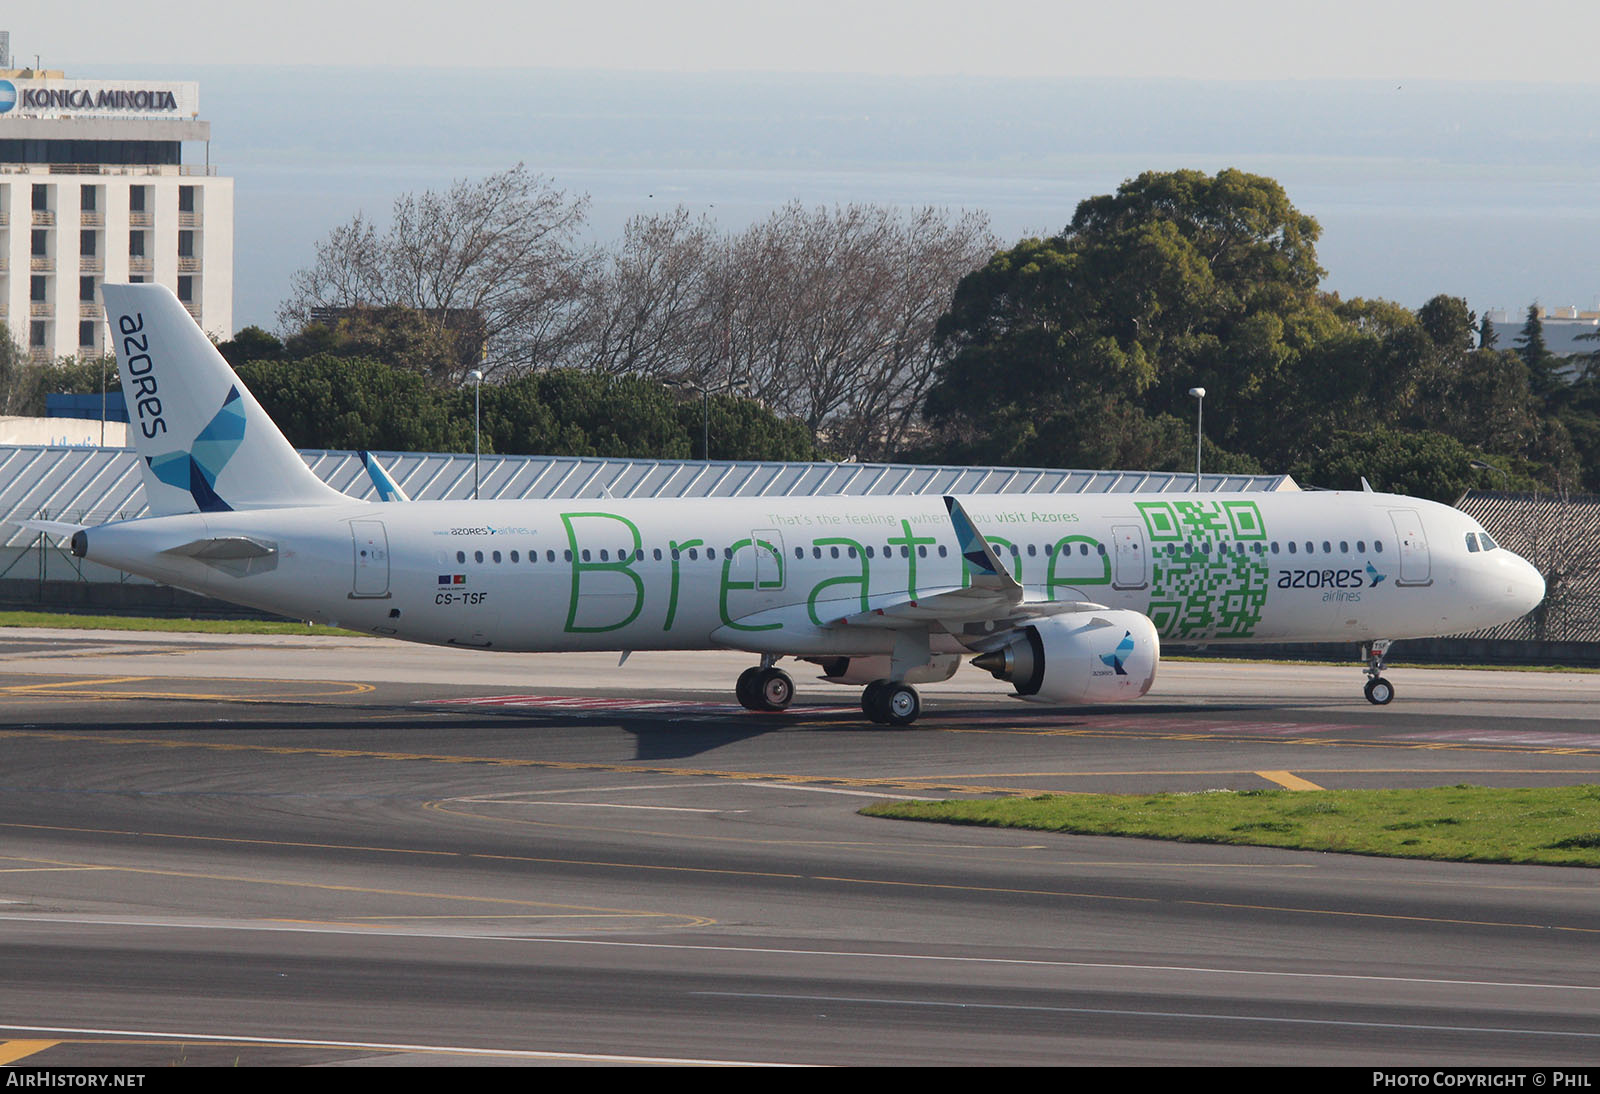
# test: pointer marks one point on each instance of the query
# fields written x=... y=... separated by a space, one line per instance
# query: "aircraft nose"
x=1526 y=585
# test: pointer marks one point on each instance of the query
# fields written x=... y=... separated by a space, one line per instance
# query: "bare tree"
x=833 y=313
x=654 y=304
x=497 y=257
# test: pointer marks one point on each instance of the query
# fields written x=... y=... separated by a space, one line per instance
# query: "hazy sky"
x=1537 y=40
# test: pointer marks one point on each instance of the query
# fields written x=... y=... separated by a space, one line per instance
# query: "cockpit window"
x=1488 y=544
x=1472 y=543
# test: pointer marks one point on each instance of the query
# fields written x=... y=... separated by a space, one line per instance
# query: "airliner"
x=1066 y=598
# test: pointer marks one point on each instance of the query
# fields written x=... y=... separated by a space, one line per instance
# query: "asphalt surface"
x=340 y=852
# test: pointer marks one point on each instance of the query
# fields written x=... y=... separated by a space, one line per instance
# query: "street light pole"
x=705 y=406
x=1199 y=394
x=477 y=435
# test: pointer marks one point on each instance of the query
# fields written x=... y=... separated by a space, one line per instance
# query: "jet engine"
x=1084 y=657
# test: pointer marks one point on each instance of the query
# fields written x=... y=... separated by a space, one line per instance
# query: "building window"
x=86 y=289
x=41 y=242
x=41 y=197
x=136 y=199
x=86 y=243
x=36 y=287
x=186 y=199
x=135 y=244
x=136 y=279
x=86 y=332
x=186 y=289
x=36 y=333
x=86 y=200
x=185 y=244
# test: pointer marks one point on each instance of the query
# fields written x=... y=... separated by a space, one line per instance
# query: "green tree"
x=1073 y=349
x=1543 y=366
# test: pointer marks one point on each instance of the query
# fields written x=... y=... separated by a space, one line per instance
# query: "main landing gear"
x=1379 y=692
x=891 y=704
x=763 y=687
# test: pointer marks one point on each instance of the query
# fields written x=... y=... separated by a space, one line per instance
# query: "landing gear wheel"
x=1379 y=691
x=900 y=704
x=745 y=689
x=773 y=689
x=869 y=699
x=891 y=704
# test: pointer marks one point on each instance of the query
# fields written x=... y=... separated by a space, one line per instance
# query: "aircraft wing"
x=958 y=606
x=993 y=597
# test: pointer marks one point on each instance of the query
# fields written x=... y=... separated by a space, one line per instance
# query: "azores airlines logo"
x=8 y=96
x=1376 y=577
x=197 y=469
x=1116 y=657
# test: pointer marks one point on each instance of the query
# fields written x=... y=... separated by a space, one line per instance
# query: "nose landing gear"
x=1379 y=692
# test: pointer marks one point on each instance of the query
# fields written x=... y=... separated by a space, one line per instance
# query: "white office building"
x=94 y=188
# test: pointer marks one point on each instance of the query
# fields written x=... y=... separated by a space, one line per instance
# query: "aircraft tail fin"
x=204 y=443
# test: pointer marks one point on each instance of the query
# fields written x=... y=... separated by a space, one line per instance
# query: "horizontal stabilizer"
x=50 y=527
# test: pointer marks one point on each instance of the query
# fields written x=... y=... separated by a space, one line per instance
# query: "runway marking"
x=1415 y=1027
x=614 y=704
x=688 y=921
x=388 y=1046
x=595 y=805
x=1032 y=962
x=317 y=689
x=1289 y=781
x=12 y=1051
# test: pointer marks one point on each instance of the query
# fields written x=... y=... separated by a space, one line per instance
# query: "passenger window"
x=942 y=552
x=711 y=553
x=1377 y=545
x=1274 y=546
x=496 y=557
x=1292 y=548
x=870 y=553
x=477 y=556
x=586 y=554
x=1327 y=548
x=694 y=554
x=515 y=557
x=1361 y=546
x=461 y=557
x=567 y=554
x=1344 y=547
x=656 y=554
x=833 y=551
x=816 y=552
x=922 y=552
x=799 y=552
x=604 y=555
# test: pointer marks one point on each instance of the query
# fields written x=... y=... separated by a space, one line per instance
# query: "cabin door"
x=370 y=544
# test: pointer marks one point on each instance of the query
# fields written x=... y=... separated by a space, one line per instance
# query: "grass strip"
x=64 y=621
x=1552 y=826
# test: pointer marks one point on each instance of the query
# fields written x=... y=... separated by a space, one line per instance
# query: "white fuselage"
x=776 y=575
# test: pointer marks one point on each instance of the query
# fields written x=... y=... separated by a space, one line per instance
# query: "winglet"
x=987 y=569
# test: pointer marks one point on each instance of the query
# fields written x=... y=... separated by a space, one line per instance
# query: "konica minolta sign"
x=98 y=98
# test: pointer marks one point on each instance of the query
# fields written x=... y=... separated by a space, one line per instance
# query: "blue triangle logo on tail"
x=197 y=469
x=1115 y=658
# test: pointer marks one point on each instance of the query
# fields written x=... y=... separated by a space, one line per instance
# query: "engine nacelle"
x=1084 y=657
x=864 y=670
